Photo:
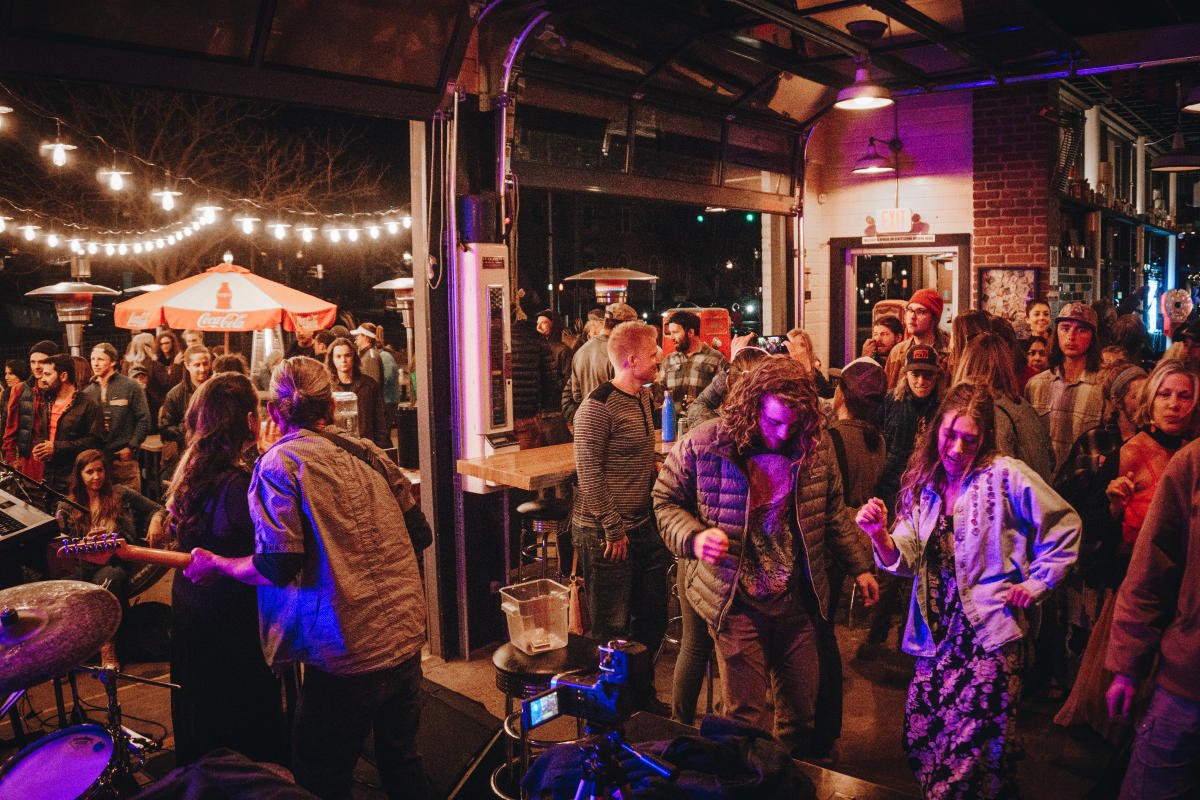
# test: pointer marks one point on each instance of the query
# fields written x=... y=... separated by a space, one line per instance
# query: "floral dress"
x=958 y=722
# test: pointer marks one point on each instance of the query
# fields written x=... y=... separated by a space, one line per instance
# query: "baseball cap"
x=622 y=312
x=921 y=357
x=1077 y=312
x=931 y=300
x=366 y=329
x=865 y=379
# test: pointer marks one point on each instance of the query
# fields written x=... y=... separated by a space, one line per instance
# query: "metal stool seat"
x=520 y=676
x=541 y=519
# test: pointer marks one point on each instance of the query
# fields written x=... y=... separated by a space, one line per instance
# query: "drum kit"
x=46 y=630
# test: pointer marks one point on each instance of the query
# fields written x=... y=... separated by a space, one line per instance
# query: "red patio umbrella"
x=226 y=298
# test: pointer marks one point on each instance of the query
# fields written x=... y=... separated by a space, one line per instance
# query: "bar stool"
x=540 y=519
x=520 y=676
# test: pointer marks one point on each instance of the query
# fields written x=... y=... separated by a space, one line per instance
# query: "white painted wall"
x=935 y=182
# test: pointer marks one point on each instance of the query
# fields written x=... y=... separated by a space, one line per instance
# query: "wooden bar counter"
x=533 y=469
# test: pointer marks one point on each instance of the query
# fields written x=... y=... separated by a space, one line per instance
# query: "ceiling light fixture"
x=864 y=94
x=873 y=162
x=1177 y=159
x=1193 y=100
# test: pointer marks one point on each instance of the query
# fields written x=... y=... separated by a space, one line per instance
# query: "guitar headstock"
x=95 y=547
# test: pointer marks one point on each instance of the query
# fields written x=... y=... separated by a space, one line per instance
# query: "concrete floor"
x=1056 y=763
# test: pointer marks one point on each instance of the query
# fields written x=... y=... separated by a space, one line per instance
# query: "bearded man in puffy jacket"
x=753 y=502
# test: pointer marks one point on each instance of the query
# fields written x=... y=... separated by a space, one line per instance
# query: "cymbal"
x=50 y=626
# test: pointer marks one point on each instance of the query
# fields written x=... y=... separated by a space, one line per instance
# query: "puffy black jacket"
x=536 y=382
x=19 y=422
x=81 y=427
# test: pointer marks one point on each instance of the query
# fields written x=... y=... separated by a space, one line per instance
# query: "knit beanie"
x=930 y=299
x=45 y=347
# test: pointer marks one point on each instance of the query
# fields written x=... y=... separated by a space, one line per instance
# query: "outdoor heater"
x=401 y=300
x=73 y=302
x=612 y=285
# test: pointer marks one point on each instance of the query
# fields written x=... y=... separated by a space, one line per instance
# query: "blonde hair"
x=626 y=339
x=1166 y=368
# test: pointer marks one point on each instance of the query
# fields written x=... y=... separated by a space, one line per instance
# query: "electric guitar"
x=100 y=547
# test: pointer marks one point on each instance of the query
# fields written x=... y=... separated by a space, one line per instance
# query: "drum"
x=76 y=763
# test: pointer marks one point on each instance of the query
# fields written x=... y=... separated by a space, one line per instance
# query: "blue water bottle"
x=668 y=418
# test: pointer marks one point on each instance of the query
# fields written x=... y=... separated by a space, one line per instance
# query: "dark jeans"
x=754 y=647
x=626 y=599
x=334 y=716
x=1166 y=753
x=695 y=649
x=827 y=719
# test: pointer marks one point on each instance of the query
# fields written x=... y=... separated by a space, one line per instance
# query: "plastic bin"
x=537 y=615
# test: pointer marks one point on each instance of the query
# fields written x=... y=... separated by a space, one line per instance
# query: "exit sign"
x=894 y=220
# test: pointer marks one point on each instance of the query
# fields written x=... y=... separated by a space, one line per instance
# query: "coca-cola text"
x=221 y=322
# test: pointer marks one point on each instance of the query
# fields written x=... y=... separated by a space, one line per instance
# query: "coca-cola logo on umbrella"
x=221 y=322
x=139 y=319
x=307 y=322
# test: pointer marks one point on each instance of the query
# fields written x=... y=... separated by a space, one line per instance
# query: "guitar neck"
x=150 y=555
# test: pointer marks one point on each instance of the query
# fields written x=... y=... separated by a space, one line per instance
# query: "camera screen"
x=542 y=708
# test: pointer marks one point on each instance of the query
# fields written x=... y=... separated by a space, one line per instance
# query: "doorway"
x=872 y=273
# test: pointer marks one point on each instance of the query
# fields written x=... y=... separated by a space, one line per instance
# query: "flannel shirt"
x=1069 y=409
x=685 y=377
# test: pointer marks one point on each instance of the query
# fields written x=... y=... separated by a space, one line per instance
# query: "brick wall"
x=1013 y=156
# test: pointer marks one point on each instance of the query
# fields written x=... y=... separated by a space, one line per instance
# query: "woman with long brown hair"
x=344 y=365
x=111 y=508
x=230 y=698
x=986 y=539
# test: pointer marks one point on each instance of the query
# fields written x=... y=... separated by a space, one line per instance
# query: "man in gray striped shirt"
x=623 y=558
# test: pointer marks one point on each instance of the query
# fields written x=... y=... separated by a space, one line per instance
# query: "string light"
x=167 y=198
x=110 y=249
x=4 y=110
x=52 y=240
x=335 y=235
x=30 y=232
x=58 y=151
x=93 y=248
x=306 y=232
x=407 y=222
x=373 y=231
x=393 y=227
x=280 y=229
x=352 y=234
x=116 y=178
x=122 y=249
x=247 y=224
x=3 y=222
x=137 y=247
x=208 y=213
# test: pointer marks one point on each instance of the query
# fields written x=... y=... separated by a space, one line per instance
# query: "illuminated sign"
x=894 y=220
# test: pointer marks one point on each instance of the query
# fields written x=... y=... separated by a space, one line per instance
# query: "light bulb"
x=4 y=110
x=352 y=234
x=52 y=240
x=59 y=155
x=110 y=249
x=4 y=222
x=335 y=235
x=306 y=233
x=407 y=223
x=30 y=232
x=187 y=230
x=408 y=258
x=373 y=230
x=158 y=243
x=247 y=224
x=392 y=227
x=228 y=257
x=208 y=213
x=280 y=230
x=168 y=201
x=137 y=247
x=122 y=249
x=116 y=180
x=93 y=248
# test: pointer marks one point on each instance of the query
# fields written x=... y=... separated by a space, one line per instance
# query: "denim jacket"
x=1009 y=527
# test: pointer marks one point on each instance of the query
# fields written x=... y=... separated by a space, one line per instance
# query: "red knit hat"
x=931 y=300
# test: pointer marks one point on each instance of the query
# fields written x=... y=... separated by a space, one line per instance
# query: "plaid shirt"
x=1069 y=409
x=685 y=377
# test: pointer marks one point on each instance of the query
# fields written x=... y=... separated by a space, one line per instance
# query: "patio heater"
x=612 y=285
x=73 y=301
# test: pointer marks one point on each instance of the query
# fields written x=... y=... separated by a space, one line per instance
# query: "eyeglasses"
x=917 y=310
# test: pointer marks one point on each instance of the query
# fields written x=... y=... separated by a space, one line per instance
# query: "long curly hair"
x=973 y=400
x=785 y=379
x=217 y=435
x=108 y=511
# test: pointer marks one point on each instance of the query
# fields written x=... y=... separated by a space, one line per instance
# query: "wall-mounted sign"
x=900 y=238
x=894 y=220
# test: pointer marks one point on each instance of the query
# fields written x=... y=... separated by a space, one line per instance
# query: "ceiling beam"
x=937 y=33
x=779 y=58
x=831 y=37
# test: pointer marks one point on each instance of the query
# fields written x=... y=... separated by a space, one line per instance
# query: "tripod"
x=604 y=777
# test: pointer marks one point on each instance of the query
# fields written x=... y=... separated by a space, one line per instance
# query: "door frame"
x=843 y=282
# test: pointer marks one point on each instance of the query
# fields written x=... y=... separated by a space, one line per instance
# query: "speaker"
x=460 y=743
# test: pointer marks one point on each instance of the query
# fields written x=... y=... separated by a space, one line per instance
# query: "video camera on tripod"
x=607 y=696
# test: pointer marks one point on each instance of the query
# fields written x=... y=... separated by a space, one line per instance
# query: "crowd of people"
x=304 y=538
x=1020 y=503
